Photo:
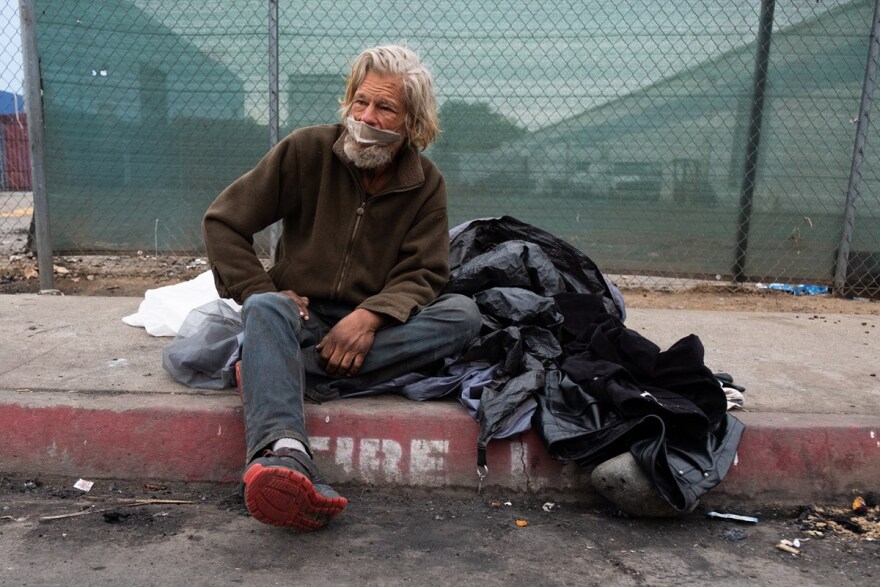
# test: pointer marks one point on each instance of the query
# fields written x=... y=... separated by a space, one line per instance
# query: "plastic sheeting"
x=204 y=353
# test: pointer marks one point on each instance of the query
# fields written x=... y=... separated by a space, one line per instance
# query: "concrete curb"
x=783 y=458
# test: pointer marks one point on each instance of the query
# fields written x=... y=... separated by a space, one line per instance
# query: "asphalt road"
x=392 y=537
x=16 y=209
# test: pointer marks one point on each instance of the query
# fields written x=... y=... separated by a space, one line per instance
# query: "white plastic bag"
x=165 y=308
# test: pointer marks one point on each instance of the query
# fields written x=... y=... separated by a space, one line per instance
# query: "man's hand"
x=301 y=302
x=345 y=347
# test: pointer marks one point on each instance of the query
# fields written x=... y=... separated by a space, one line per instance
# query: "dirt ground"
x=133 y=275
x=156 y=532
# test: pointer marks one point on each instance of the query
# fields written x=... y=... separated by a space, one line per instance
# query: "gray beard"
x=368 y=157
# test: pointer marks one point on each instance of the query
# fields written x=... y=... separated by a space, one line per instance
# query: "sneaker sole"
x=283 y=497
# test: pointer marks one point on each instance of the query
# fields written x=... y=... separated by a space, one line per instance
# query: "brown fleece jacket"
x=388 y=252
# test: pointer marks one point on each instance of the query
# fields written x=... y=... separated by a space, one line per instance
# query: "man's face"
x=379 y=102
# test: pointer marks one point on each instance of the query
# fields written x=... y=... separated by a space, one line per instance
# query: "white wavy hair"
x=422 y=122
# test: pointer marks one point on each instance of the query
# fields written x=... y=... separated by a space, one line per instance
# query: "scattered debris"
x=802 y=289
x=12 y=519
x=861 y=520
x=196 y=263
x=115 y=273
x=522 y=523
x=549 y=506
x=735 y=398
x=115 y=517
x=508 y=503
x=790 y=547
x=134 y=503
x=155 y=486
x=859 y=506
x=734 y=534
x=72 y=515
x=495 y=503
x=796 y=236
x=734 y=517
x=84 y=485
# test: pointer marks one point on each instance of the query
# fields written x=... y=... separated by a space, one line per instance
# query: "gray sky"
x=724 y=11
x=11 y=69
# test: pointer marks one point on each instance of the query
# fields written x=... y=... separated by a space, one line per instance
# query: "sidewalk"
x=84 y=395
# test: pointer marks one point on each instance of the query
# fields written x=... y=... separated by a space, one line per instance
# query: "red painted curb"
x=811 y=456
x=150 y=442
x=382 y=441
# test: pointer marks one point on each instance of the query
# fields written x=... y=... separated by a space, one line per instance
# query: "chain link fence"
x=703 y=140
x=16 y=206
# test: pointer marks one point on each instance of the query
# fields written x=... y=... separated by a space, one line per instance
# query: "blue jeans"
x=279 y=364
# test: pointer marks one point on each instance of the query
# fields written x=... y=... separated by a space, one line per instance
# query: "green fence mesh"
x=623 y=127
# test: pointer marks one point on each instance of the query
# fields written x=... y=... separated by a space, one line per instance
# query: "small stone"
x=733 y=534
x=622 y=482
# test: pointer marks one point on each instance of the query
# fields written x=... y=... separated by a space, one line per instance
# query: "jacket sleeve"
x=247 y=206
x=422 y=268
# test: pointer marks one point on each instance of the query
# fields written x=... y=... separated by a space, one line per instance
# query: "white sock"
x=289 y=443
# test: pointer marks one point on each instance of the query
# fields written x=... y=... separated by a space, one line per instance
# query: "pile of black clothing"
x=559 y=357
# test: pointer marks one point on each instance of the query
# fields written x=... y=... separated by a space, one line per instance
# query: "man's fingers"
x=345 y=364
x=301 y=302
x=356 y=364
x=339 y=362
x=325 y=354
x=331 y=357
x=344 y=349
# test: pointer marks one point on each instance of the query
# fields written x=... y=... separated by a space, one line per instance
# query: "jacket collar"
x=406 y=169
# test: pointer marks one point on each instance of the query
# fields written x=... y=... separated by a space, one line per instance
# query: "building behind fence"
x=671 y=139
x=15 y=161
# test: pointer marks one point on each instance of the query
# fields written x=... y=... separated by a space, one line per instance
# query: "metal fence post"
x=858 y=156
x=34 y=107
x=275 y=229
x=762 y=58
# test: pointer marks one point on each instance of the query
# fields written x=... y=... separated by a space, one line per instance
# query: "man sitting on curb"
x=352 y=293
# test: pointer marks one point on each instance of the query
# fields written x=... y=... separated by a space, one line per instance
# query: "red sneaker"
x=285 y=488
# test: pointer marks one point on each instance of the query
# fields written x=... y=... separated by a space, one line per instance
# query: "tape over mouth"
x=370 y=135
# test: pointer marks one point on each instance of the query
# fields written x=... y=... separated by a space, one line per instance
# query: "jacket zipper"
x=357 y=223
x=359 y=213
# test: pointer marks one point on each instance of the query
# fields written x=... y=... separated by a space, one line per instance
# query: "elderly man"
x=351 y=299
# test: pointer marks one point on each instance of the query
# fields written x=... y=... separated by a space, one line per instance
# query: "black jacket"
x=553 y=326
x=618 y=391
